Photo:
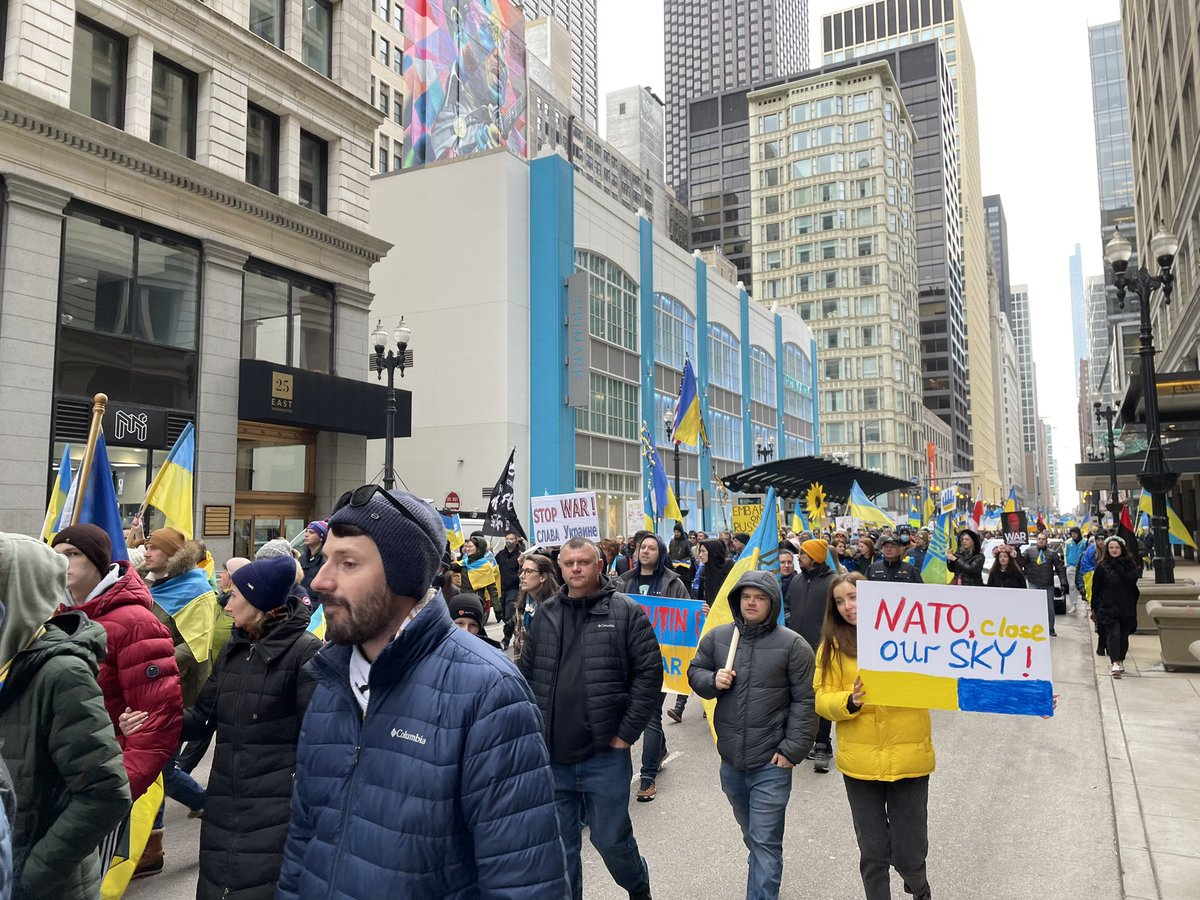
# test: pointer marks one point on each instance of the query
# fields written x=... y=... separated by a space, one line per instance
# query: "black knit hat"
x=467 y=606
x=265 y=583
x=410 y=545
x=90 y=540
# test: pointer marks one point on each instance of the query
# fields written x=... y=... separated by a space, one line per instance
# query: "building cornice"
x=22 y=191
x=41 y=119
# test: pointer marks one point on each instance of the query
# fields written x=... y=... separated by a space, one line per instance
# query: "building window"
x=98 y=73
x=724 y=359
x=674 y=332
x=173 y=108
x=797 y=383
x=384 y=99
x=266 y=20
x=385 y=50
x=398 y=15
x=314 y=168
x=612 y=409
x=286 y=319
x=383 y=154
x=262 y=149
x=762 y=377
x=612 y=299
x=316 y=41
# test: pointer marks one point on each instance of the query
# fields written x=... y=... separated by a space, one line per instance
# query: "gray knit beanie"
x=411 y=548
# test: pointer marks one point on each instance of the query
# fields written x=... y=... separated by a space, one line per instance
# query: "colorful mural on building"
x=464 y=74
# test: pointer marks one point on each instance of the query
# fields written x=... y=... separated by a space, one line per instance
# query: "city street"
x=1018 y=808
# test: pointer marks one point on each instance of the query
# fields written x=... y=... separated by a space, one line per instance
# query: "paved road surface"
x=1019 y=808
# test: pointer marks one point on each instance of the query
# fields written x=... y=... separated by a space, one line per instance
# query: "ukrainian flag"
x=761 y=553
x=171 y=491
x=58 y=496
x=861 y=508
x=316 y=624
x=929 y=508
x=685 y=429
x=1179 y=534
x=1010 y=505
x=98 y=505
x=665 y=504
x=914 y=514
x=934 y=569
x=481 y=572
x=799 y=520
x=192 y=604
x=453 y=526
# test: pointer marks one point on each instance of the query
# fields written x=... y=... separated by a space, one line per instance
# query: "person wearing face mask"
x=508 y=560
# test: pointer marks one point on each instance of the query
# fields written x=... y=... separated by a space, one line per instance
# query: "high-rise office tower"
x=1078 y=306
x=1023 y=338
x=831 y=181
x=879 y=25
x=997 y=226
x=635 y=126
x=722 y=45
x=578 y=17
x=1049 y=486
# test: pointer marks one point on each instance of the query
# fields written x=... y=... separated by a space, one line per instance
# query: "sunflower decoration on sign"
x=814 y=503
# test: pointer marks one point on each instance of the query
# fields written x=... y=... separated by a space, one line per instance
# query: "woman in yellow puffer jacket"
x=885 y=754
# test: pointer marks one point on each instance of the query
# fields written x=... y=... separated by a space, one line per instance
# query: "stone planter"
x=1169 y=594
x=1178 y=629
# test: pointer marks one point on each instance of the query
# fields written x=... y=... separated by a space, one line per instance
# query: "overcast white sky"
x=1037 y=152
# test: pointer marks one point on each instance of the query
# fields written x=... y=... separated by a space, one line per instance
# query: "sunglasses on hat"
x=362 y=496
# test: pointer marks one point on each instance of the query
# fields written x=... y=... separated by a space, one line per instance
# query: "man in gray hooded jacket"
x=765 y=719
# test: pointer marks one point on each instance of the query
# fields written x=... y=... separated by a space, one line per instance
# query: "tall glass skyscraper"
x=724 y=45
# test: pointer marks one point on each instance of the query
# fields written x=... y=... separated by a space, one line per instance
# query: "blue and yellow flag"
x=663 y=498
x=799 y=520
x=171 y=491
x=934 y=570
x=1010 y=505
x=1178 y=533
x=861 y=508
x=481 y=572
x=98 y=505
x=914 y=514
x=761 y=553
x=453 y=526
x=316 y=624
x=58 y=496
x=685 y=429
x=928 y=509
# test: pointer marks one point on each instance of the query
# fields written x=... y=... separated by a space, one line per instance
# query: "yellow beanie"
x=816 y=550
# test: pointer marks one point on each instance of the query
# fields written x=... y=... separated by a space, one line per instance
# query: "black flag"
x=501 y=516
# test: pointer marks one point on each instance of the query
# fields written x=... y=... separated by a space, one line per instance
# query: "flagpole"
x=100 y=401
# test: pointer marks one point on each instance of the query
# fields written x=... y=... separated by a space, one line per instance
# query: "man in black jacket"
x=804 y=609
x=764 y=719
x=595 y=668
x=893 y=567
x=1041 y=564
x=508 y=560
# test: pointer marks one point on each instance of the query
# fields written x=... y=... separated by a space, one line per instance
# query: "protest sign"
x=1016 y=527
x=746 y=517
x=635 y=517
x=942 y=647
x=559 y=517
x=677 y=625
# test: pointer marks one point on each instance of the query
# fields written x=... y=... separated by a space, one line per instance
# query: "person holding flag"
x=967 y=563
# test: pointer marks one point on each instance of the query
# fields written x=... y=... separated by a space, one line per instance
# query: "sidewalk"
x=1151 y=724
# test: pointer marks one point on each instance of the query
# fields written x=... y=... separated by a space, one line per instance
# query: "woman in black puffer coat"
x=967 y=563
x=1115 y=598
x=255 y=701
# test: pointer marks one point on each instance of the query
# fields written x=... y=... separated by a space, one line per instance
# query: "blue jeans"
x=759 y=798
x=181 y=787
x=654 y=745
x=597 y=790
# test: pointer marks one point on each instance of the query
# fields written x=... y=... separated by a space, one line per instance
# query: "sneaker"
x=1121 y=666
x=646 y=792
x=1053 y=633
x=674 y=715
x=196 y=813
x=662 y=758
x=1116 y=671
x=821 y=759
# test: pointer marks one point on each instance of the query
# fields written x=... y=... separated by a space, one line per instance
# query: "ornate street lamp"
x=1106 y=414
x=1155 y=477
x=765 y=452
x=668 y=421
x=386 y=358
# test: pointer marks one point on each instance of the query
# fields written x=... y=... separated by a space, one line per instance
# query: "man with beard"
x=421 y=769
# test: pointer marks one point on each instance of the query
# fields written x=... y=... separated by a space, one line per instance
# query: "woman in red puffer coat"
x=139 y=671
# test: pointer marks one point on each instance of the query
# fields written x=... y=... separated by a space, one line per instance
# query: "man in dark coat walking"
x=594 y=665
x=764 y=720
x=1041 y=564
x=893 y=567
x=804 y=607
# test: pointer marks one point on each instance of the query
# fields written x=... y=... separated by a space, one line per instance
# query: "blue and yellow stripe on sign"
x=677 y=624
x=914 y=689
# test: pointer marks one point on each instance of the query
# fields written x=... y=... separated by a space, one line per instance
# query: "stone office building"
x=183 y=228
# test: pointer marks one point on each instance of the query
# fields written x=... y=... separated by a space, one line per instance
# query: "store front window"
x=275 y=485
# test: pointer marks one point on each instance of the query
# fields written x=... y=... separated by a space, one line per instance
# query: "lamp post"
x=1155 y=477
x=1106 y=414
x=386 y=358
x=668 y=421
x=765 y=452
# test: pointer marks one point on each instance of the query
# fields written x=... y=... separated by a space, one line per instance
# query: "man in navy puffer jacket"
x=421 y=769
